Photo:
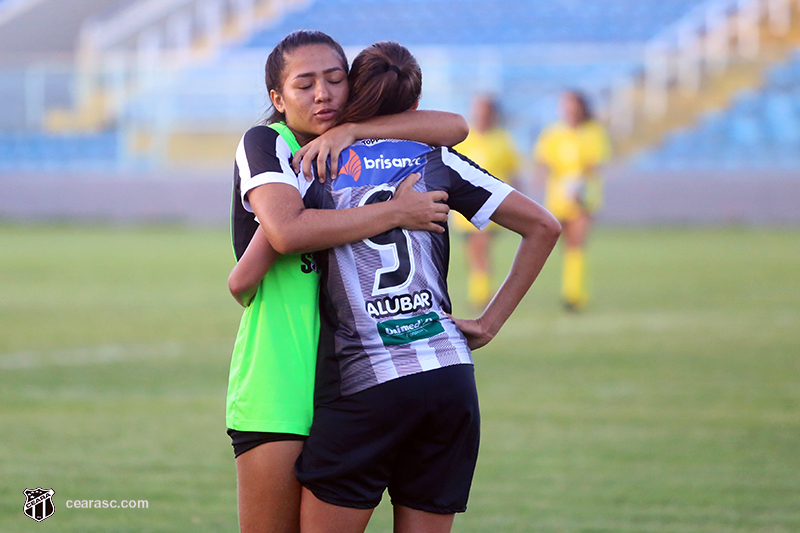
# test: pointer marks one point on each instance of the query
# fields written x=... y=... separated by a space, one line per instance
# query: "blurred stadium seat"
x=32 y=151
x=471 y=22
x=760 y=130
x=525 y=52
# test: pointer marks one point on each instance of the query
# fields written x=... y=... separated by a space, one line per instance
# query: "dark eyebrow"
x=311 y=74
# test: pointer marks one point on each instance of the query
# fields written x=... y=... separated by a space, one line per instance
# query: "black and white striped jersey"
x=385 y=298
x=262 y=156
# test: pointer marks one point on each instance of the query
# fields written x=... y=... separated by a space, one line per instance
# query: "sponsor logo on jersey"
x=399 y=305
x=405 y=330
x=38 y=503
x=352 y=168
x=383 y=162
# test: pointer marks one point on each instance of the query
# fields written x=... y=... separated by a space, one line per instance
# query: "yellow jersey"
x=495 y=152
x=572 y=154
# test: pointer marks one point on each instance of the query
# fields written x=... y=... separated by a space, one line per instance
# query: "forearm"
x=246 y=296
x=438 y=128
x=254 y=264
x=539 y=232
x=531 y=255
x=294 y=231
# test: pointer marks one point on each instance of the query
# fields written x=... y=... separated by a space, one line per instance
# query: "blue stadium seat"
x=746 y=130
x=451 y=22
x=35 y=150
x=782 y=119
x=528 y=91
x=759 y=130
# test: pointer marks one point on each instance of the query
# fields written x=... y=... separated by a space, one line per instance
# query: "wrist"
x=488 y=323
x=395 y=213
x=353 y=131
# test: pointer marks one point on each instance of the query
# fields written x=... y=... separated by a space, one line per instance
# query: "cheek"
x=341 y=92
x=296 y=103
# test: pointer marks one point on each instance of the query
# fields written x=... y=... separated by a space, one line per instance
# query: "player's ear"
x=277 y=101
x=415 y=106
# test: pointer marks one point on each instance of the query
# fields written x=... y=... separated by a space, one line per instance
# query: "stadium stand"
x=35 y=29
x=760 y=130
x=465 y=23
x=38 y=45
x=719 y=56
x=705 y=89
x=525 y=52
x=31 y=151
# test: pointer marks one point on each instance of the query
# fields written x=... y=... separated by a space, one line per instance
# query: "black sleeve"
x=256 y=154
x=260 y=154
x=465 y=195
x=243 y=222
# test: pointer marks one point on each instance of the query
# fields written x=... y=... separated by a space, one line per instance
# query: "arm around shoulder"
x=437 y=128
x=291 y=228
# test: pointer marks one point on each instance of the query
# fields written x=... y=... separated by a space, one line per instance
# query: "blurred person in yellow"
x=492 y=148
x=569 y=155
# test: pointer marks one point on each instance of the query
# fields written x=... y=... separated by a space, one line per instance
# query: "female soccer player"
x=491 y=147
x=396 y=398
x=270 y=393
x=570 y=154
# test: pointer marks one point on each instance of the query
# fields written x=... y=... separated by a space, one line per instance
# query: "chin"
x=322 y=127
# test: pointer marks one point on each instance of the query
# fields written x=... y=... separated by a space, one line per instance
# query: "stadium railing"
x=698 y=65
x=150 y=71
x=123 y=52
x=760 y=129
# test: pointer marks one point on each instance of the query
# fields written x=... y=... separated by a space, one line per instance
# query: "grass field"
x=671 y=405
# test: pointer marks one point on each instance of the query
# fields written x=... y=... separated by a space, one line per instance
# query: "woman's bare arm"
x=292 y=229
x=256 y=261
x=539 y=231
x=437 y=128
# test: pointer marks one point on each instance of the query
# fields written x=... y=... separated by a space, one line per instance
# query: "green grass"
x=672 y=404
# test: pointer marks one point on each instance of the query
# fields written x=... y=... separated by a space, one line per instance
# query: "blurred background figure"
x=491 y=147
x=568 y=155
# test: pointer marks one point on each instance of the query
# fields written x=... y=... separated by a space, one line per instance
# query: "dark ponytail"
x=385 y=79
x=276 y=62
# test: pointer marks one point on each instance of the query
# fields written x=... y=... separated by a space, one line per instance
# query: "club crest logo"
x=353 y=166
x=39 y=503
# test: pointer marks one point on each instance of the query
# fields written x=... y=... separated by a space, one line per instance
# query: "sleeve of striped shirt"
x=263 y=157
x=473 y=192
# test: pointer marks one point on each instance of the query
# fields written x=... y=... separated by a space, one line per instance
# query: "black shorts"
x=417 y=435
x=243 y=441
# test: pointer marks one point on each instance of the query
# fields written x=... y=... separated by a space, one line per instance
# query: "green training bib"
x=271 y=381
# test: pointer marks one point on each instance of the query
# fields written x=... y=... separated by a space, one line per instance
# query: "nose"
x=322 y=94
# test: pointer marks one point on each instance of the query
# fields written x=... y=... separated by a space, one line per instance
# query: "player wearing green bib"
x=273 y=392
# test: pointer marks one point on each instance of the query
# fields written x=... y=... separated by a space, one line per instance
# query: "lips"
x=326 y=114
